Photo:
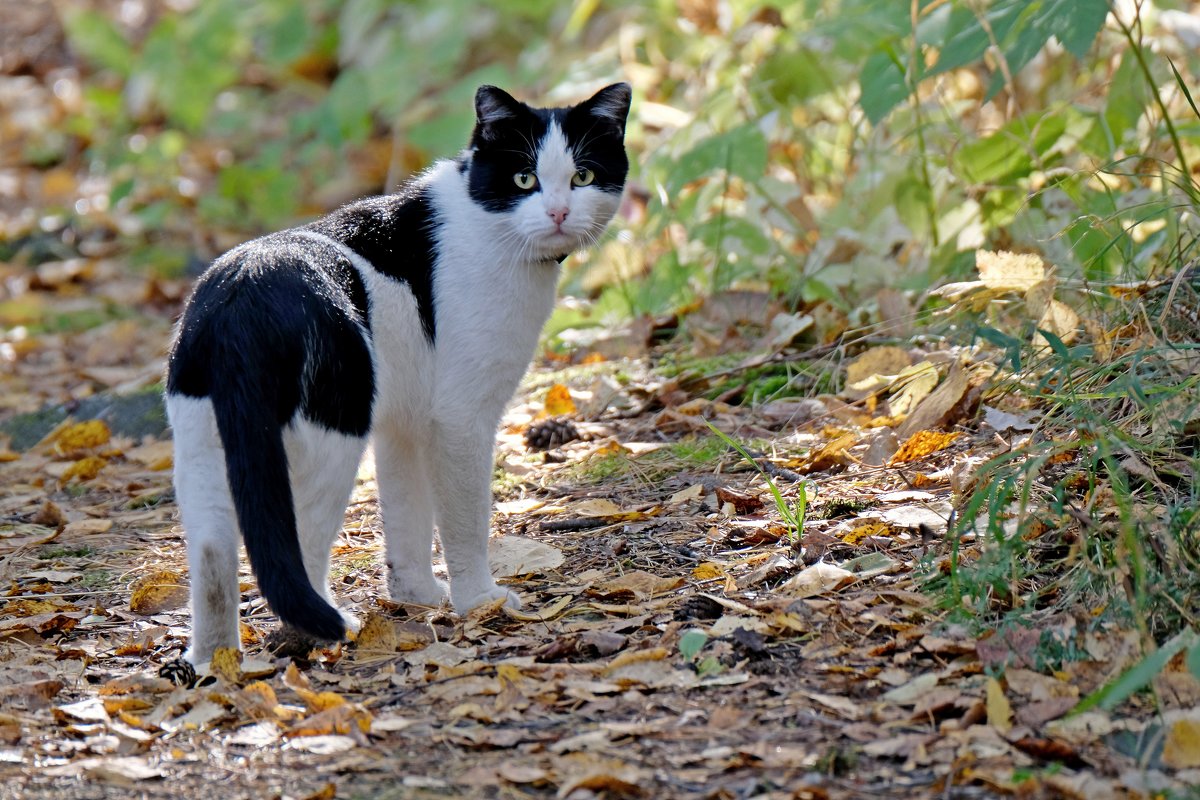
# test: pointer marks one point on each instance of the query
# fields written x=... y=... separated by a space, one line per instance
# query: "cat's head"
x=556 y=174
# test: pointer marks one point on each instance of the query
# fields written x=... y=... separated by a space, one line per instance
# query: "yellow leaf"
x=865 y=530
x=999 y=710
x=635 y=656
x=544 y=615
x=611 y=448
x=1018 y=272
x=509 y=672
x=84 y=469
x=118 y=705
x=707 y=571
x=377 y=634
x=226 y=664
x=1059 y=319
x=258 y=700
x=1181 y=749
x=157 y=592
x=558 y=401
x=886 y=360
x=340 y=719
x=81 y=436
x=921 y=444
x=916 y=383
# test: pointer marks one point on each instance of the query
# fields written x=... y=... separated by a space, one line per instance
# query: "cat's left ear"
x=610 y=104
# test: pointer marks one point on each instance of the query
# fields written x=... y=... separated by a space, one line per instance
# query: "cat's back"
x=278 y=298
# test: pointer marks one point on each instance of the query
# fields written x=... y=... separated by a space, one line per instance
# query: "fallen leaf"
x=1003 y=421
x=522 y=506
x=908 y=694
x=558 y=401
x=519 y=555
x=70 y=440
x=226 y=664
x=817 y=579
x=921 y=444
x=1181 y=749
x=999 y=710
x=87 y=527
x=636 y=583
x=377 y=635
x=878 y=361
x=159 y=591
x=1005 y=271
x=85 y=469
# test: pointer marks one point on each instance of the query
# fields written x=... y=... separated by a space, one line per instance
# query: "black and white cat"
x=408 y=319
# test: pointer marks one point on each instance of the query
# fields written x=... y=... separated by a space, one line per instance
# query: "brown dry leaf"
x=833 y=454
x=32 y=608
x=602 y=507
x=86 y=527
x=878 y=361
x=558 y=402
x=999 y=710
x=944 y=406
x=549 y=612
x=58 y=621
x=916 y=382
x=637 y=583
x=519 y=555
x=1005 y=271
x=377 y=635
x=1060 y=320
x=71 y=440
x=817 y=579
x=157 y=592
x=326 y=792
x=155 y=456
x=343 y=718
x=921 y=444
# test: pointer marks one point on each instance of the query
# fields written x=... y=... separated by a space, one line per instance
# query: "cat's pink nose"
x=559 y=215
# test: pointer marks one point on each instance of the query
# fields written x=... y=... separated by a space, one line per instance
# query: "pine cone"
x=550 y=433
x=178 y=672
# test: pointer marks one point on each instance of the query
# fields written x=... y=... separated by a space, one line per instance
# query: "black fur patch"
x=286 y=314
x=396 y=234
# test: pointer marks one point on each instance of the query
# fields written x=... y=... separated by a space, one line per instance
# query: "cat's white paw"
x=464 y=601
x=432 y=592
x=351 y=622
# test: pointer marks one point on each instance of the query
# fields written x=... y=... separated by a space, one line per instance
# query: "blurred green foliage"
x=820 y=149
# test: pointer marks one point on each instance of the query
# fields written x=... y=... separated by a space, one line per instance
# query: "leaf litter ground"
x=676 y=639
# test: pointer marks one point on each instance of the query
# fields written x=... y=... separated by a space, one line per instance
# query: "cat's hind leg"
x=322 y=464
x=210 y=523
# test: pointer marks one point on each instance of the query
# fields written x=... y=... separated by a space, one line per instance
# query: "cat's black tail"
x=256 y=463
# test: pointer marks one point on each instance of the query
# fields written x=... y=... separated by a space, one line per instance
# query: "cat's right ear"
x=493 y=107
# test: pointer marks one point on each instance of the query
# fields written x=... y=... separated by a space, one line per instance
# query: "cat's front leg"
x=402 y=469
x=463 y=472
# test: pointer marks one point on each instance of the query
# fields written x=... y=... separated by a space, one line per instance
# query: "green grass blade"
x=1138 y=676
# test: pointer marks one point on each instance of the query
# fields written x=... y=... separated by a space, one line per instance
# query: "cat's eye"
x=582 y=177
x=525 y=180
